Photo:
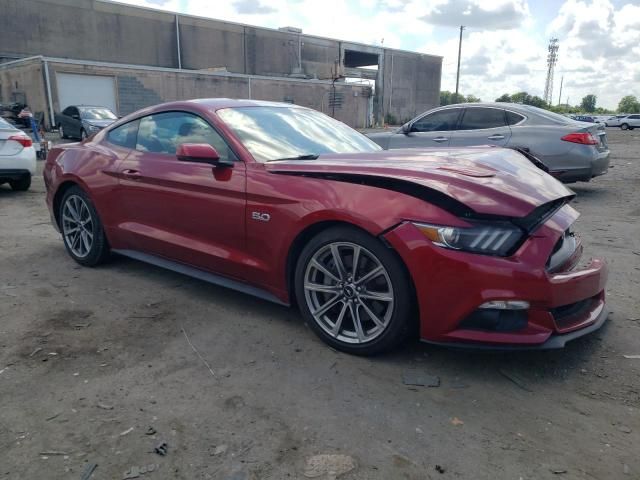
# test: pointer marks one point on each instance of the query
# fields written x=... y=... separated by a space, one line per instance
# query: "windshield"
x=97 y=113
x=276 y=133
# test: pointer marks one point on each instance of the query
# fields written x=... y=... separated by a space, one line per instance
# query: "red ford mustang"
x=472 y=245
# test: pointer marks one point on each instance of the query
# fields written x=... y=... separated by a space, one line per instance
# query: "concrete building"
x=60 y=52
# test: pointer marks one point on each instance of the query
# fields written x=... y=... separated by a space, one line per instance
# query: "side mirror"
x=201 y=153
x=406 y=128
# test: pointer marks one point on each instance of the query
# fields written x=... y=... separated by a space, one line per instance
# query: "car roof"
x=219 y=103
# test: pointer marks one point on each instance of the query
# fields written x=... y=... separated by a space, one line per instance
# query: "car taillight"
x=583 y=138
x=22 y=140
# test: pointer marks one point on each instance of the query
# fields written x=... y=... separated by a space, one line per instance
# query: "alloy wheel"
x=349 y=292
x=61 y=131
x=77 y=226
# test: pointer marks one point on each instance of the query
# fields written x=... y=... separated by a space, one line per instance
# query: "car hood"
x=487 y=180
x=99 y=123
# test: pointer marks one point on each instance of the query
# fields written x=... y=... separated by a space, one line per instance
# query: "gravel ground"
x=102 y=365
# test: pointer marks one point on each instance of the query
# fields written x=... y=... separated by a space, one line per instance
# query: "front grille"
x=573 y=313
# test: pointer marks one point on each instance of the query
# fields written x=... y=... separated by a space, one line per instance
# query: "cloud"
x=515 y=69
x=252 y=7
x=492 y=16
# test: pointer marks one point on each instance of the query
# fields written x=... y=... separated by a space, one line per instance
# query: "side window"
x=440 y=121
x=67 y=111
x=125 y=135
x=513 y=118
x=480 y=118
x=163 y=132
x=74 y=111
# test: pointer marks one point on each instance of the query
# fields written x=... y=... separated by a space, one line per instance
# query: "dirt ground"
x=101 y=365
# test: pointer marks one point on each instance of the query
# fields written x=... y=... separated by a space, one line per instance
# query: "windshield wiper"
x=308 y=156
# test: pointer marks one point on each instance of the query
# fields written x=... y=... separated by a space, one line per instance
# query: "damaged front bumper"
x=453 y=286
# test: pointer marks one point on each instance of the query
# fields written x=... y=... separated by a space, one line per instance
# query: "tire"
x=350 y=295
x=21 y=185
x=89 y=245
x=61 y=132
x=624 y=126
x=83 y=134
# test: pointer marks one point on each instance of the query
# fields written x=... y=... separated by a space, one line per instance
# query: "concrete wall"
x=24 y=81
x=102 y=31
x=138 y=87
x=412 y=85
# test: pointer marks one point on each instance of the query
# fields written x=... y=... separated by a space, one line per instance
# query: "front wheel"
x=83 y=134
x=354 y=292
x=624 y=126
x=61 y=132
x=81 y=228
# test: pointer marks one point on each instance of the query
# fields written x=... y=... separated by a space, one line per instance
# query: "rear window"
x=125 y=135
x=553 y=117
x=6 y=125
x=513 y=118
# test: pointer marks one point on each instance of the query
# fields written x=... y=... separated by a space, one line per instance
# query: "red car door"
x=189 y=212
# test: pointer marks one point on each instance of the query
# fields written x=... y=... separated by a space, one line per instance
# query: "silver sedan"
x=572 y=151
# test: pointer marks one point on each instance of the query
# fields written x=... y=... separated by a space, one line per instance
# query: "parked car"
x=474 y=244
x=17 y=157
x=82 y=121
x=630 y=122
x=614 y=121
x=573 y=151
x=585 y=118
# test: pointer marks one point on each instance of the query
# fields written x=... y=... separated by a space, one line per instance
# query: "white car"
x=614 y=121
x=630 y=122
x=17 y=157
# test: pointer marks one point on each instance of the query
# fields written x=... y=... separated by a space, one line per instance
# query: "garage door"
x=74 y=89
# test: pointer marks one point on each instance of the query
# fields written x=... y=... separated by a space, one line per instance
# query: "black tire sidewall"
x=402 y=317
x=21 y=185
x=100 y=249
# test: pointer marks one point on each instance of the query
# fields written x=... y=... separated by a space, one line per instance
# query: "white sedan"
x=17 y=157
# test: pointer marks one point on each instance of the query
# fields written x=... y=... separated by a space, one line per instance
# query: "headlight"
x=489 y=239
x=94 y=128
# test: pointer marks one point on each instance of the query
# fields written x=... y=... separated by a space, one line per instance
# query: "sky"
x=504 y=46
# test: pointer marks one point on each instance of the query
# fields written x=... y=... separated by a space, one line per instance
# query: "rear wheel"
x=22 y=184
x=81 y=228
x=353 y=291
x=624 y=126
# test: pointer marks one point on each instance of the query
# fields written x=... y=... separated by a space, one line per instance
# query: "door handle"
x=496 y=136
x=131 y=174
x=440 y=139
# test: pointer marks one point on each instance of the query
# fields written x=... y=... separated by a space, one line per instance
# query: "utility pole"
x=560 y=96
x=459 y=52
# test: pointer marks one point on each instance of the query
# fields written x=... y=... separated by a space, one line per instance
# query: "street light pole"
x=459 y=52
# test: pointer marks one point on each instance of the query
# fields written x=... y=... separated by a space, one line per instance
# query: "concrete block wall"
x=24 y=79
x=139 y=88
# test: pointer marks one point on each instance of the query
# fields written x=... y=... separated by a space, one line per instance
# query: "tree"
x=536 y=102
x=589 y=103
x=445 y=97
x=629 y=104
x=505 y=97
x=448 y=98
x=520 y=97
